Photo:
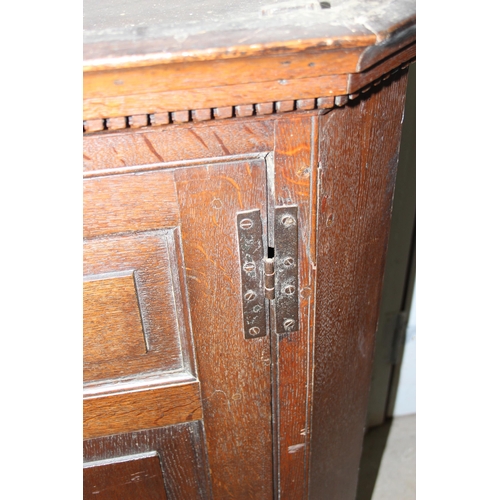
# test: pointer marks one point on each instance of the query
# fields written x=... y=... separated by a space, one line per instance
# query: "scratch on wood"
x=295 y=448
x=304 y=182
x=294 y=151
x=216 y=264
x=235 y=185
x=198 y=137
x=219 y=140
x=248 y=130
x=152 y=149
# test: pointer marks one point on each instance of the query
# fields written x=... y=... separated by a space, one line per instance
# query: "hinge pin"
x=269 y=278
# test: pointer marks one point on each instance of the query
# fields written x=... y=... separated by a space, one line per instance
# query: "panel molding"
x=181 y=449
x=112 y=317
x=127 y=478
x=145 y=408
x=159 y=286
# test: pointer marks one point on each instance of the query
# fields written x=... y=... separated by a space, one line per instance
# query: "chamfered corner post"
x=358 y=158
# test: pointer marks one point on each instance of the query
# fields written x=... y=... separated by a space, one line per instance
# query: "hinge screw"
x=246 y=223
x=289 y=289
x=289 y=324
x=288 y=262
x=288 y=221
x=255 y=330
x=250 y=295
x=249 y=267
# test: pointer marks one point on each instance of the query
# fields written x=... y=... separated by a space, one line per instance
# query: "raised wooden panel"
x=128 y=478
x=111 y=318
x=141 y=409
x=177 y=451
x=135 y=318
x=127 y=203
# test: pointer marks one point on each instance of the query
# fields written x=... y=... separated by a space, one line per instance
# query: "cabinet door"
x=177 y=402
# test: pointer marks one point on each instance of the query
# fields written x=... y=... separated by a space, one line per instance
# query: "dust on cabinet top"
x=121 y=33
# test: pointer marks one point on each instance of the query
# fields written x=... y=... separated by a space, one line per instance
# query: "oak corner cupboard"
x=239 y=167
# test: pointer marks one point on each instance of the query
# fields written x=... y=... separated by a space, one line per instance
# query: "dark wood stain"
x=295 y=150
x=178 y=404
x=359 y=147
x=138 y=477
x=234 y=372
x=180 y=450
x=222 y=145
x=176 y=143
x=198 y=137
x=151 y=148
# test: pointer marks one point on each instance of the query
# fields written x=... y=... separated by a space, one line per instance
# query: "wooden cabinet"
x=235 y=229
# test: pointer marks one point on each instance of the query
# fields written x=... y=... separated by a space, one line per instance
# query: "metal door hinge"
x=265 y=278
x=269 y=278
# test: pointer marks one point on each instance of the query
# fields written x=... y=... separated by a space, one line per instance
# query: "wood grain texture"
x=234 y=372
x=295 y=159
x=160 y=299
x=160 y=118
x=264 y=108
x=325 y=102
x=116 y=123
x=105 y=56
x=182 y=76
x=284 y=106
x=213 y=97
x=112 y=322
x=127 y=203
x=359 y=80
x=245 y=110
x=405 y=35
x=341 y=100
x=359 y=147
x=200 y=115
x=180 y=449
x=138 y=121
x=180 y=143
x=396 y=294
x=223 y=112
x=132 y=477
x=304 y=104
x=180 y=116
x=109 y=414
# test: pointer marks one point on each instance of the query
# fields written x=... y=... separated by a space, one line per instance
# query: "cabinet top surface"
x=119 y=31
